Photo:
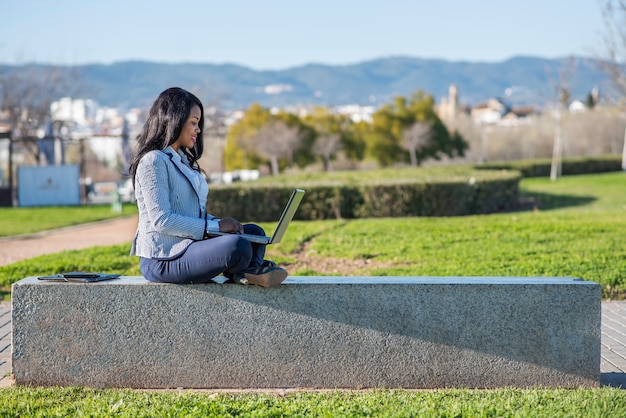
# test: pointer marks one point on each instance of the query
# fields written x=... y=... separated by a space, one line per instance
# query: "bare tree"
x=556 y=166
x=562 y=87
x=25 y=97
x=326 y=146
x=215 y=130
x=416 y=138
x=277 y=140
x=613 y=55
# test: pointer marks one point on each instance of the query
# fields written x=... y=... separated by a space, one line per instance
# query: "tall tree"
x=277 y=140
x=384 y=143
x=416 y=140
x=613 y=51
x=25 y=97
x=326 y=146
x=333 y=134
x=243 y=149
x=301 y=147
x=565 y=73
x=240 y=151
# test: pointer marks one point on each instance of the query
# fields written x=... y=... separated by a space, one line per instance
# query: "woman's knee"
x=253 y=229
x=241 y=255
x=234 y=244
x=244 y=247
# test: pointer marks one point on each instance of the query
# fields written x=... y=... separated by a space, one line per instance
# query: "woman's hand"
x=231 y=225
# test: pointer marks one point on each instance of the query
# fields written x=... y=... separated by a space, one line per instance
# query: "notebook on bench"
x=79 y=276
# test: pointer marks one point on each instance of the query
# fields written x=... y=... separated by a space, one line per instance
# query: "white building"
x=79 y=111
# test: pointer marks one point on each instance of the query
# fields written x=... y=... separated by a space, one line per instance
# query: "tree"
x=326 y=146
x=301 y=147
x=389 y=123
x=563 y=93
x=240 y=150
x=25 y=98
x=277 y=140
x=613 y=54
x=590 y=101
x=416 y=139
x=243 y=149
x=333 y=133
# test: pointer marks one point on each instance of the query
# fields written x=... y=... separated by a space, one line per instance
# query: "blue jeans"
x=204 y=260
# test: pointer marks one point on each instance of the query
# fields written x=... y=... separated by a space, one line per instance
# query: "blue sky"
x=285 y=33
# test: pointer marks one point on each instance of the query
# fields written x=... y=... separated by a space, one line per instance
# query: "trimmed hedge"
x=570 y=166
x=439 y=191
x=485 y=192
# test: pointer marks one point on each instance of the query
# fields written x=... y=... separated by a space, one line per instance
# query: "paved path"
x=110 y=232
x=612 y=366
x=5 y=344
x=613 y=362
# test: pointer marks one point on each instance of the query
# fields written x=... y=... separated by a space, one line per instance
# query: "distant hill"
x=528 y=80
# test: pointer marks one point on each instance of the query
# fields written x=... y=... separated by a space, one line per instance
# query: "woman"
x=173 y=238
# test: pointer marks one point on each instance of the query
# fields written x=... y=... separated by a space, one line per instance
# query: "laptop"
x=283 y=222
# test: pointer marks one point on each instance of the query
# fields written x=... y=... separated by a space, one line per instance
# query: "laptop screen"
x=287 y=215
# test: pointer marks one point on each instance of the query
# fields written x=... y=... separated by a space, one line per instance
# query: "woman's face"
x=190 y=131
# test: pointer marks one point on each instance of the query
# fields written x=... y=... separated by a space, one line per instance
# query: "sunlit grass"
x=605 y=402
x=20 y=221
x=577 y=230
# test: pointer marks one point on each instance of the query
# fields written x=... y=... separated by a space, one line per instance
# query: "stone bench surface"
x=312 y=280
x=311 y=332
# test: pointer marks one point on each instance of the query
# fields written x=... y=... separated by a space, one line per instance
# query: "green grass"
x=449 y=173
x=27 y=402
x=20 y=221
x=583 y=194
x=532 y=244
x=578 y=231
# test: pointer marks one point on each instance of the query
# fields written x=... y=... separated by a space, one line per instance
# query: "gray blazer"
x=170 y=210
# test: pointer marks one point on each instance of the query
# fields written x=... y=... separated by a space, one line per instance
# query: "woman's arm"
x=169 y=211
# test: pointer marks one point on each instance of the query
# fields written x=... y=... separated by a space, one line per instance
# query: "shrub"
x=446 y=195
x=570 y=166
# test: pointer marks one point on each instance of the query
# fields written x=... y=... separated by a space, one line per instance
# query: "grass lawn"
x=578 y=230
x=78 y=402
x=20 y=221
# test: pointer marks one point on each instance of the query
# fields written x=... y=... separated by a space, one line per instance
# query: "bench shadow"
x=354 y=308
x=615 y=380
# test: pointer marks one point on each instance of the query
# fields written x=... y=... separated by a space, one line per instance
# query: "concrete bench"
x=311 y=332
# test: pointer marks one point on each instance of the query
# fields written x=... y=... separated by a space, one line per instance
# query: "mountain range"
x=518 y=80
